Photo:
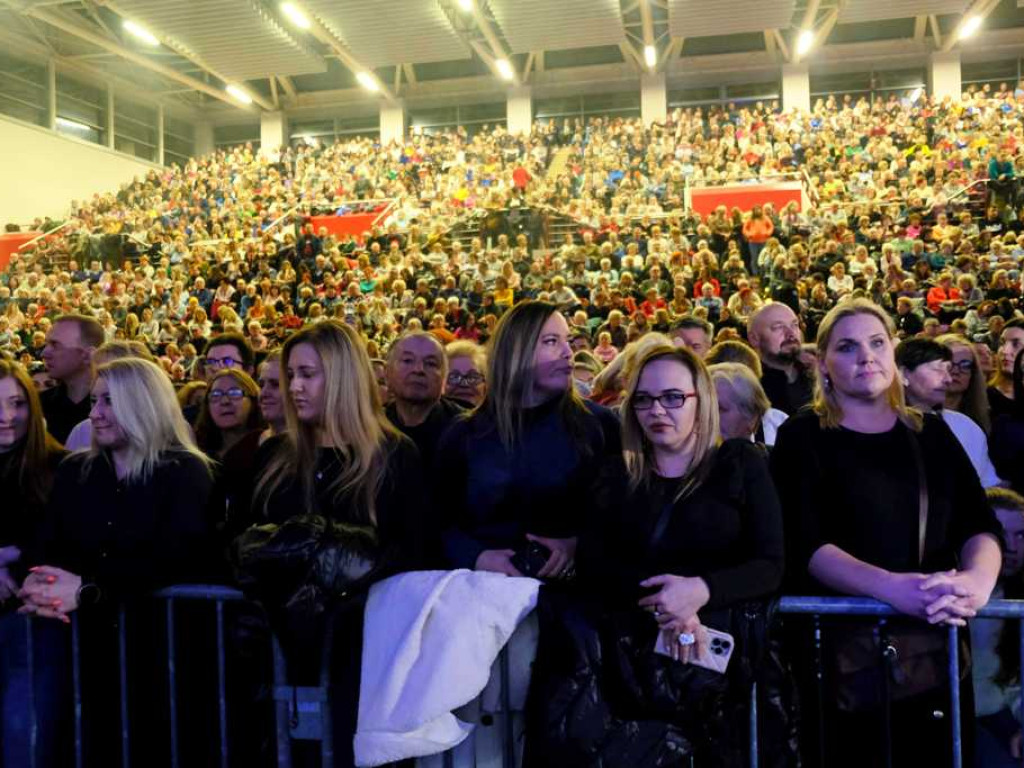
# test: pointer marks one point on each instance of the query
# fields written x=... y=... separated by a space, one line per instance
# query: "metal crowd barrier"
x=303 y=713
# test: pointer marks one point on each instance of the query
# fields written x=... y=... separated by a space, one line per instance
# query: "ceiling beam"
x=345 y=56
x=920 y=28
x=630 y=55
x=647 y=22
x=538 y=62
x=933 y=23
x=981 y=8
x=528 y=67
x=410 y=73
x=288 y=85
x=489 y=53
x=780 y=41
x=810 y=14
x=186 y=53
x=672 y=50
x=136 y=58
x=273 y=93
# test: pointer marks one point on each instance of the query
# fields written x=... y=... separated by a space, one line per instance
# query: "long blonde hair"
x=636 y=449
x=353 y=423
x=825 y=403
x=147 y=411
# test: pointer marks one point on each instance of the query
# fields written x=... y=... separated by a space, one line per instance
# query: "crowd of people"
x=667 y=419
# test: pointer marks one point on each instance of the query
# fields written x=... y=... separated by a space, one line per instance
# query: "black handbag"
x=898 y=659
x=307 y=561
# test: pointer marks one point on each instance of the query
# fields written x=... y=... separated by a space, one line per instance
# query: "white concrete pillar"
x=204 y=139
x=160 y=134
x=273 y=134
x=653 y=98
x=796 y=87
x=51 y=94
x=110 y=116
x=519 y=111
x=392 y=122
x=944 y=75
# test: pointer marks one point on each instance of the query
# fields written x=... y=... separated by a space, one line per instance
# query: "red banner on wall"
x=10 y=242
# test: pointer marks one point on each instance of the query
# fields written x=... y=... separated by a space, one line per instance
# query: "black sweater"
x=728 y=531
x=494 y=496
x=859 y=492
x=128 y=538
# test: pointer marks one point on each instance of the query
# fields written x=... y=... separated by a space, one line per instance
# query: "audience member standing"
x=774 y=331
x=68 y=354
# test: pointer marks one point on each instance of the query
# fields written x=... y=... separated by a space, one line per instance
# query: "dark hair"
x=89 y=329
x=239 y=342
x=208 y=435
x=911 y=353
x=692 y=322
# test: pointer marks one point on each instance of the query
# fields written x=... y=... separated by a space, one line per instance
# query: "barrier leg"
x=122 y=653
x=753 y=726
x=33 y=714
x=76 y=683
x=954 y=690
x=172 y=684
x=222 y=701
x=284 y=750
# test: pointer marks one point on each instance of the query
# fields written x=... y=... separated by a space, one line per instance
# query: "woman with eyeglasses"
x=467 y=363
x=686 y=534
x=966 y=392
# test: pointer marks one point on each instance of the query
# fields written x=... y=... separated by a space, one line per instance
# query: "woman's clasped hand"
x=50 y=593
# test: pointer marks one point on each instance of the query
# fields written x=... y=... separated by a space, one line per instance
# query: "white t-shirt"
x=975 y=443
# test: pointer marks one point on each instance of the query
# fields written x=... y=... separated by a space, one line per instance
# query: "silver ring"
x=686 y=638
x=657 y=613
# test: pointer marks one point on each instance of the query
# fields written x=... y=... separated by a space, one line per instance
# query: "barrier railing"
x=302 y=713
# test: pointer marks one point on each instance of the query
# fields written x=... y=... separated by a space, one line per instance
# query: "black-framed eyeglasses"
x=670 y=400
x=471 y=379
x=235 y=393
x=964 y=366
x=221 y=362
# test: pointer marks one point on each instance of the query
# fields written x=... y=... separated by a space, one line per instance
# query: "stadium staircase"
x=559 y=162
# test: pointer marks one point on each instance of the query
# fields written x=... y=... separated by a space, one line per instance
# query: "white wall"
x=41 y=172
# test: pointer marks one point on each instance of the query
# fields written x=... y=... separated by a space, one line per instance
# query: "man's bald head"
x=774 y=331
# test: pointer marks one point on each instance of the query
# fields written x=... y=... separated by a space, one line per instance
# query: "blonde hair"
x=148 y=414
x=825 y=403
x=353 y=424
x=636 y=449
x=470 y=349
x=750 y=396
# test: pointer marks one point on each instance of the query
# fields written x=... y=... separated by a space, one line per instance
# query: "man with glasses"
x=417 y=370
x=925 y=370
x=68 y=359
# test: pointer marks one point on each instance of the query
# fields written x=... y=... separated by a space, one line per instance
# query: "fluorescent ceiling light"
x=650 y=55
x=368 y=81
x=73 y=125
x=466 y=5
x=239 y=94
x=505 y=68
x=804 y=42
x=295 y=16
x=971 y=25
x=140 y=32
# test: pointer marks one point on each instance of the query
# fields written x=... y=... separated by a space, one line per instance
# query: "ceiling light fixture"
x=73 y=125
x=466 y=5
x=971 y=25
x=368 y=81
x=650 y=55
x=505 y=68
x=295 y=16
x=239 y=94
x=139 y=31
x=916 y=94
x=804 y=42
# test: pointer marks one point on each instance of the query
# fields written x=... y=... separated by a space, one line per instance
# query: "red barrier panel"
x=349 y=223
x=704 y=200
x=10 y=242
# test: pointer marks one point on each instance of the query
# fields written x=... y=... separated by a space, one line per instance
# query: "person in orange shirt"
x=942 y=293
x=756 y=230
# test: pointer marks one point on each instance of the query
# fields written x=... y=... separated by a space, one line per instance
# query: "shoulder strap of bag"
x=922 y=494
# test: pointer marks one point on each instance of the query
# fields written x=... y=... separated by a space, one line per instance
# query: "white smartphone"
x=715 y=655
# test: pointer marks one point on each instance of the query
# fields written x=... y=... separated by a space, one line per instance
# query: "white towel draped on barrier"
x=429 y=641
